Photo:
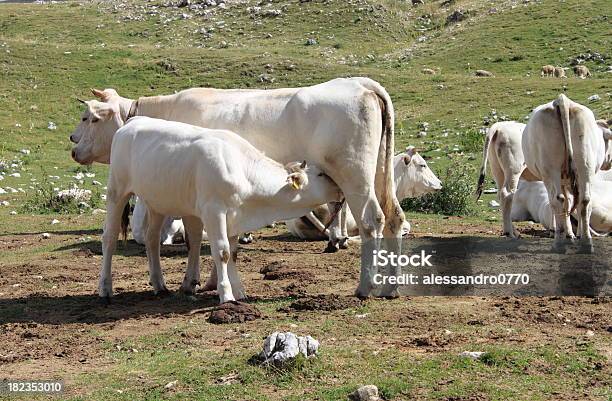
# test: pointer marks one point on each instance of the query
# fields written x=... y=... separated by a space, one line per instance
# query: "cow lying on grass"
x=531 y=204
x=412 y=177
x=209 y=177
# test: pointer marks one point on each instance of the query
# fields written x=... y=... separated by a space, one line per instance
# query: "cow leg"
x=193 y=230
x=558 y=204
x=216 y=227
x=584 y=209
x=234 y=277
x=334 y=231
x=370 y=221
x=112 y=226
x=156 y=277
x=506 y=196
x=344 y=227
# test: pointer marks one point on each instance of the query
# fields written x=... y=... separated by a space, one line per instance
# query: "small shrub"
x=472 y=141
x=45 y=200
x=456 y=196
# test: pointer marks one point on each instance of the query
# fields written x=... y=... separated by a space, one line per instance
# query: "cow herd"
x=219 y=163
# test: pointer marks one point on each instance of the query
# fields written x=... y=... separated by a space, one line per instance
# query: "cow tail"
x=125 y=221
x=568 y=172
x=485 y=156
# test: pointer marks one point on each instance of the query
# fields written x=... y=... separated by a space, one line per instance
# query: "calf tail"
x=563 y=108
x=485 y=156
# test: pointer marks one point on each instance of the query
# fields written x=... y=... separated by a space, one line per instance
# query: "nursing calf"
x=209 y=177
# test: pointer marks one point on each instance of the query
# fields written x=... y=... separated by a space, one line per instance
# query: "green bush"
x=472 y=141
x=456 y=198
x=44 y=200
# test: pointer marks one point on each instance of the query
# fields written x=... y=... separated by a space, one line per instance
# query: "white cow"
x=412 y=178
x=531 y=203
x=209 y=177
x=565 y=147
x=345 y=126
x=503 y=150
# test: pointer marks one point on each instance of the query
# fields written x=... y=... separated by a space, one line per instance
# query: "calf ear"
x=296 y=180
x=410 y=151
x=607 y=134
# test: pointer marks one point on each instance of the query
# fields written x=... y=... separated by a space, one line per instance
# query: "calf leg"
x=334 y=231
x=112 y=226
x=193 y=229
x=156 y=277
x=558 y=205
x=216 y=226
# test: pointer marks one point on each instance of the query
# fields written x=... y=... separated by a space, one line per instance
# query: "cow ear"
x=410 y=152
x=407 y=159
x=99 y=94
x=607 y=134
x=296 y=180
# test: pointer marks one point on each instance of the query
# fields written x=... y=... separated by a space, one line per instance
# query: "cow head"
x=413 y=177
x=311 y=184
x=95 y=132
x=604 y=126
x=106 y=96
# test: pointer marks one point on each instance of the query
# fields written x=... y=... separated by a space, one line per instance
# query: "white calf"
x=209 y=177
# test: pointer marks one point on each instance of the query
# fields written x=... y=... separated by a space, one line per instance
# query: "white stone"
x=475 y=355
x=55 y=221
x=46 y=235
x=365 y=393
x=494 y=204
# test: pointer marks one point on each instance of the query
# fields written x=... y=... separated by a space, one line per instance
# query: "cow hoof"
x=331 y=247
x=164 y=292
x=344 y=243
x=246 y=239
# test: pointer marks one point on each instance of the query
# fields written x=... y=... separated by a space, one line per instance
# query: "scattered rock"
x=490 y=191
x=12 y=213
x=266 y=78
x=475 y=355
x=365 y=393
x=483 y=73
x=594 y=98
x=16 y=175
x=51 y=126
x=493 y=204
x=280 y=348
x=234 y=312
x=54 y=221
x=456 y=16
x=323 y=303
x=25 y=151
x=428 y=71
x=171 y=385
x=311 y=42
x=46 y=235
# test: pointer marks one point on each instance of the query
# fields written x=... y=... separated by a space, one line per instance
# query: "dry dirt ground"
x=53 y=325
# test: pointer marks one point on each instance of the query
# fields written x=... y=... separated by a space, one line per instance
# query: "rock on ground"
x=365 y=393
x=282 y=347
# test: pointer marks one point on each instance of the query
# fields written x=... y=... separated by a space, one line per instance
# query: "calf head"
x=604 y=126
x=310 y=185
x=413 y=176
x=95 y=132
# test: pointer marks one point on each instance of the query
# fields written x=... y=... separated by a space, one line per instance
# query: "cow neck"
x=155 y=107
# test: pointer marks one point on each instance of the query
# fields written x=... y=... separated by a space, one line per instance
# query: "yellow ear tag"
x=295 y=184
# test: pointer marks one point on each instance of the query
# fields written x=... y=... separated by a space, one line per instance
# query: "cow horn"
x=303 y=165
x=81 y=100
x=98 y=93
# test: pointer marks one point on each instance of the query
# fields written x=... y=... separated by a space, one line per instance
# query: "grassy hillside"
x=52 y=53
